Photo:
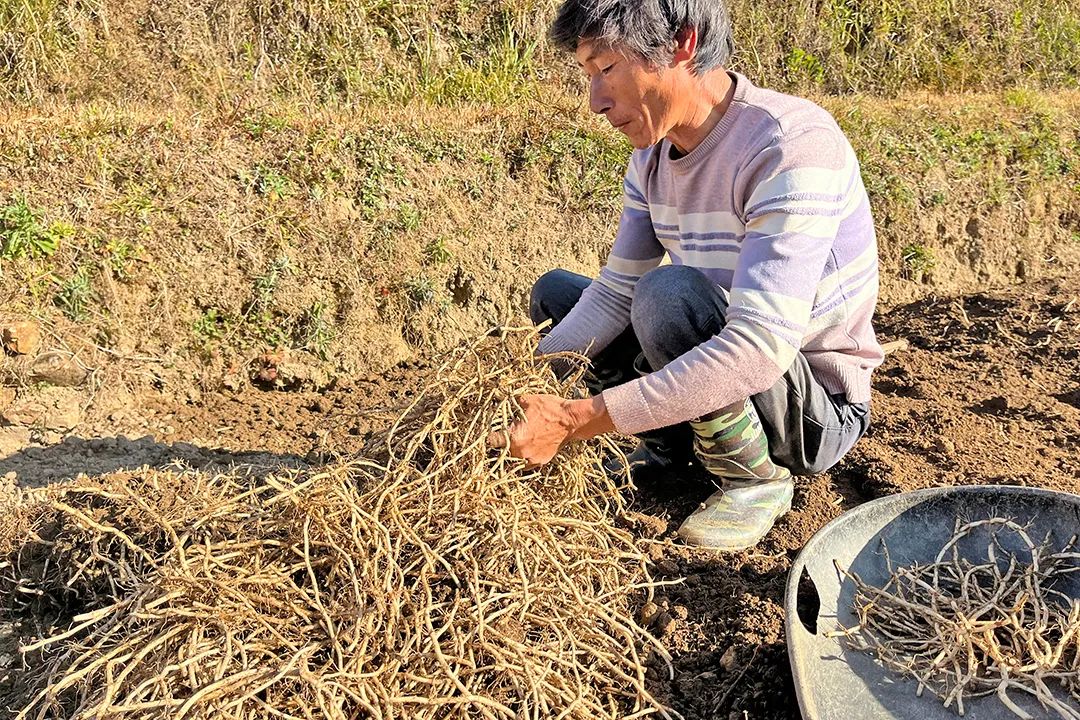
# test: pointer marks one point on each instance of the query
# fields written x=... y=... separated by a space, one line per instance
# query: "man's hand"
x=551 y=421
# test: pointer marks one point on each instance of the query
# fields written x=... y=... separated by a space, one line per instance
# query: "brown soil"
x=987 y=391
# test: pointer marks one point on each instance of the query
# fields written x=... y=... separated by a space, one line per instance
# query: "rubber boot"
x=754 y=491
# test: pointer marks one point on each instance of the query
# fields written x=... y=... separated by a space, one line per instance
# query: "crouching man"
x=753 y=348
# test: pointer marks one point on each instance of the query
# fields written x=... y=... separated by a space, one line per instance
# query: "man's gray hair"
x=648 y=28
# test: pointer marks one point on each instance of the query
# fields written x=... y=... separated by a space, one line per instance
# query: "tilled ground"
x=985 y=390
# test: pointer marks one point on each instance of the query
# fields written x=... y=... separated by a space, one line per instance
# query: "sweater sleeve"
x=793 y=193
x=604 y=309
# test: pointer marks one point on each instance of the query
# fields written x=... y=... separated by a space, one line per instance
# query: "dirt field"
x=987 y=390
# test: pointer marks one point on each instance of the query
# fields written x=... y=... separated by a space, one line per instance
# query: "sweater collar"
x=717 y=134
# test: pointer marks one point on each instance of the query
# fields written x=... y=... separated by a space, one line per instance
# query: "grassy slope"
x=221 y=179
x=347 y=231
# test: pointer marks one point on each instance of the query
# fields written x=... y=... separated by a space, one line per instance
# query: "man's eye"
x=605 y=71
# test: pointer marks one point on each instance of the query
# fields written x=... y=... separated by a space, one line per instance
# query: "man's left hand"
x=549 y=422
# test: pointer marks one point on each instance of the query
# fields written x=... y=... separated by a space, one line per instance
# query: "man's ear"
x=685 y=45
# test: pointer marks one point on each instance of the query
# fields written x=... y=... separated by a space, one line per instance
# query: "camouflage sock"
x=732 y=445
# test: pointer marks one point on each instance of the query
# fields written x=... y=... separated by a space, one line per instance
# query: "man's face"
x=633 y=95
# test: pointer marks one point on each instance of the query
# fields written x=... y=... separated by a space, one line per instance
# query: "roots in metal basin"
x=997 y=625
x=435 y=578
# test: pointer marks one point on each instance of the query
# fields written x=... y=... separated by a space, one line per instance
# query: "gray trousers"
x=676 y=308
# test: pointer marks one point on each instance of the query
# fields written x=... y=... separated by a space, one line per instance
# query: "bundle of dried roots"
x=967 y=629
x=434 y=579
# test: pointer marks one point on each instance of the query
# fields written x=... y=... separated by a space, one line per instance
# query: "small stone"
x=50 y=408
x=168 y=430
x=649 y=611
x=21 y=338
x=7 y=396
x=284 y=370
x=667 y=567
x=58 y=369
x=680 y=612
x=27 y=412
x=50 y=437
x=945 y=446
x=647 y=525
x=727 y=660
x=664 y=623
x=13 y=439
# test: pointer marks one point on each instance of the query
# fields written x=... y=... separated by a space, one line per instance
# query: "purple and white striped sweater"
x=771 y=207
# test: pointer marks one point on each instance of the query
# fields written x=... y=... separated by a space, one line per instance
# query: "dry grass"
x=967 y=629
x=494 y=51
x=435 y=579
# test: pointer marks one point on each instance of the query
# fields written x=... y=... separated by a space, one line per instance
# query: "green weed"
x=259 y=123
x=266 y=181
x=136 y=202
x=918 y=261
x=420 y=291
x=436 y=252
x=802 y=64
x=886 y=187
x=267 y=283
x=260 y=318
x=22 y=233
x=314 y=332
x=969 y=151
x=1022 y=98
x=119 y=256
x=499 y=71
x=75 y=294
x=408 y=217
x=997 y=191
x=1041 y=147
x=472 y=189
x=584 y=167
x=380 y=172
x=385 y=236
x=209 y=327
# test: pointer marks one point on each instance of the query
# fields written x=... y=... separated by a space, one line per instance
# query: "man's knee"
x=667 y=294
x=670 y=279
x=552 y=295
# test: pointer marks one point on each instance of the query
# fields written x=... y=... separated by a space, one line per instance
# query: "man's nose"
x=599 y=102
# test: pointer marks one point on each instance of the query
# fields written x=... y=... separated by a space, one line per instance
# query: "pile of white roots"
x=966 y=629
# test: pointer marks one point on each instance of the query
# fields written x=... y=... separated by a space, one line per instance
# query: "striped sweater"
x=770 y=207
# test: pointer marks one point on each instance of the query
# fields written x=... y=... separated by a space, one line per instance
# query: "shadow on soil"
x=39 y=466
